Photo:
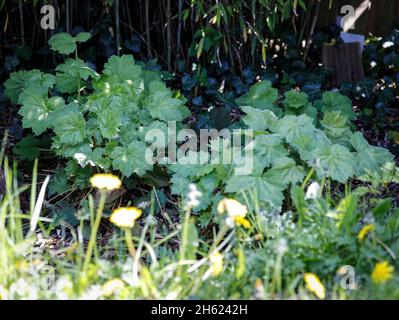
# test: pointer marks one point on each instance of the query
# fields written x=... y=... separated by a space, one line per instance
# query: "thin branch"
x=179 y=28
x=117 y=27
x=21 y=20
x=168 y=35
x=67 y=16
x=147 y=28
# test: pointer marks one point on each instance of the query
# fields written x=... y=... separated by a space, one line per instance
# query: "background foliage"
x=80 y=97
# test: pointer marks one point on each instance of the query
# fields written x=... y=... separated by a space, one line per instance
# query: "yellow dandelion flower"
x=236 y=212
x=232 y=206
x=105 y=181
x=216 y=259
x=382 y=272
x=125 y=217
x=112 y=286
x=314 y=285
x=22 y=265
x=240 y=221
x=365 y=230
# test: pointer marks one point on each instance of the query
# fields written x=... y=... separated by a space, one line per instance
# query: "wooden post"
x=345 y=62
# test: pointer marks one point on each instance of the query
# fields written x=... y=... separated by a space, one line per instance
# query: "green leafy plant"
x=287 y=147
x=98 y=120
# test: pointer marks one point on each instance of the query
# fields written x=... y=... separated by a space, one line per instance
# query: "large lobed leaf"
x=161 y=104
x=130 y=159
x=70 y=74
x=36 y=111
x=64 y=43
x=336 y=161
x=268 y=187
x=334 y=101
x=368 y=157
x=261 y=96
x=35 y=81
x=71 y=128
x=259 y=120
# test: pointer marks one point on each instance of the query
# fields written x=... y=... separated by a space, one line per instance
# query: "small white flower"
x=92 y=293
x=388 y=44
x=21 y=289
x=373 y=64
x=230 y=222
x=282 y=246
x=63 y=288
x=313 y=192
x=193 y=196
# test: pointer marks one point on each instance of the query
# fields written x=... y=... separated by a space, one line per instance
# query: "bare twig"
x=117 y=27
x=67 y=7
x=179 y=28
x=21 y=21
x=168 y=35
x=147 y=28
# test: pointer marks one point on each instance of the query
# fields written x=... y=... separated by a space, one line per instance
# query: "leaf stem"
x=94 y=230
x=184 y=241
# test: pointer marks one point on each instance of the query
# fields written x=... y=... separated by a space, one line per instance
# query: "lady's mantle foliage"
x=98 y=119
x=101 y=120
x=290 y=138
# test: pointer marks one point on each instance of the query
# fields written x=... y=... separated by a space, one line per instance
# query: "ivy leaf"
x=39 y=82
x=259 y=120
x=335 y=160
x=368 y=157
x=268 y=187
x=130 y=159
x=71 y=129
x=162 y=106
x=64 y=43
x=70 y=73
x=334 y=101
x=36 y=110
x=261 y=96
